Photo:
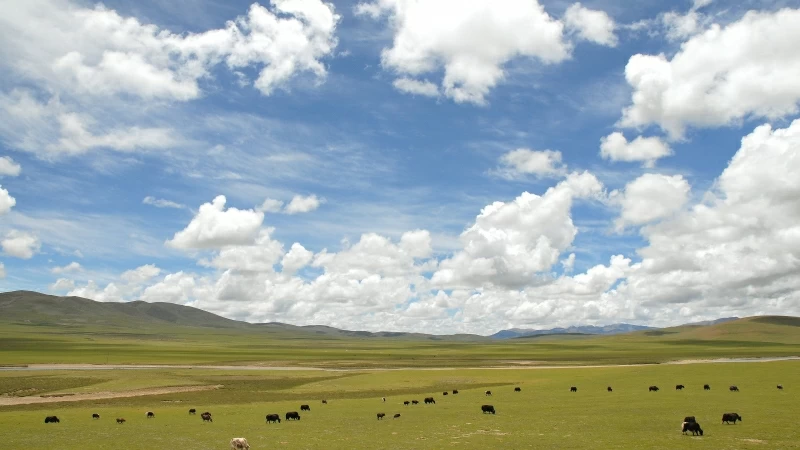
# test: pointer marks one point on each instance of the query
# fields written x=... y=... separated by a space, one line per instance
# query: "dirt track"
x=10 y=401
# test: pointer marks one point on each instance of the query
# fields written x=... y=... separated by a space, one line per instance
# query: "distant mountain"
x=712 y=322
x=617 y=328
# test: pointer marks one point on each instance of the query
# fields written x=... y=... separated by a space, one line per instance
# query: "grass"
x=31 y=344
x=544 y=415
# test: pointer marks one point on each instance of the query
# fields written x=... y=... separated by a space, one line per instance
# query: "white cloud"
x=8 y=167
x=111 y=293
x=261 y=256
x=162 y=203
x=412 y=86
x=301 y=204
x=50 y=129
x=2 y=271
x=568 y=263
x=591 y=25
x=63 y=284
x=470 y=41
x=270 y=205
x=522 y=161
x=214 y=227
x=141 y=274
x=6 y=201
x=297 y=258
x=651 y=197
x=98 y=52
x=20 y=244
x=510 y=243
x=642 y=149
x=746 y=69
x=69 y=268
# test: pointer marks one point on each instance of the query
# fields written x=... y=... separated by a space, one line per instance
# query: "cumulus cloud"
x=62 y=284
x=8 y=167
x=301 y=204
x=6 y=201
x=261 y=256
x=726 y=74
x=650 y=197
x=2 y=271
x=20 y=244
x=522 y=161
x=111 y=293
x=647 y=150
x=213 y=227
x=162 y=203
x=141 y=274
x=510 y=243
x=441 y=35
x=69 y=268
x=270 y=205
x=98 y=52
x=297 y=258
x=50 y=129
x=591 y=25
x=412 y=86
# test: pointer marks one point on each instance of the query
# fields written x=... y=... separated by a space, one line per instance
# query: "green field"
x=544 y=415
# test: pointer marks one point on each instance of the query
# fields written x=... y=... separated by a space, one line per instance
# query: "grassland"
x=544 y=415
x=22 y=344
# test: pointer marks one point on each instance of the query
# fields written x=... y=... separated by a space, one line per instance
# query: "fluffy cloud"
x=522 y=161
x=510 y=243
x=50 y=129
x=651 y=197
x=8 y=167
x=726 y=74
x=215 y=227
x=2 y=271
x=431 y=36
x=645 y=149
x=62 y=284
x=301 y=204
x=96 y=51
x=6 y=201
x=20 y=244
x=270 y=205
x=259 y=257
x=110 y=293
x=412 y=86
x=69 y=268
x=161 y=203
x=141 y=274
x=591 y=25
x=297 y=258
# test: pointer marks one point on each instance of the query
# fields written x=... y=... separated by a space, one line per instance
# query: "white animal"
x=239 y=444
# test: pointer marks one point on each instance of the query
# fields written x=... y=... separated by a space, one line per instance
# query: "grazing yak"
x=381 y=416
x=455 y=391
x=396 y=416
x=95 y=416
x=324 y=402
x=694 y=427
x=780 y=386
x=206 y=417
x=573 y=389
x=239 y=444
x=120 y=420
x=679 y=387
x=150 y=414
x=273 y=418
x=307 y=408
x=517 y=389
x=487 y=409
x=383 y=398
x=192 y=411
x=429 y=400
x=292 y=415
x=415 y=402
x=734 y=388
x=407 y=402
x=731 y=417
x=706 y=387
x=444 y=393
x=609 y=389
x=488 y=393
x=653 y=389
x=51 y=419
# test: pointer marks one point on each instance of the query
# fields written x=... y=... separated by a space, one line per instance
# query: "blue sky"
x=389 y=126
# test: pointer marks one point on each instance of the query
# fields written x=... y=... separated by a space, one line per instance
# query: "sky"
x=438 y=166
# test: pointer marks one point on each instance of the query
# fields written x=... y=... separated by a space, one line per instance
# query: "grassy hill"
x=38 y=328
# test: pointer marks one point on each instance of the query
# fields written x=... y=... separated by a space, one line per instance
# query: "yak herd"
x=688 y=425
